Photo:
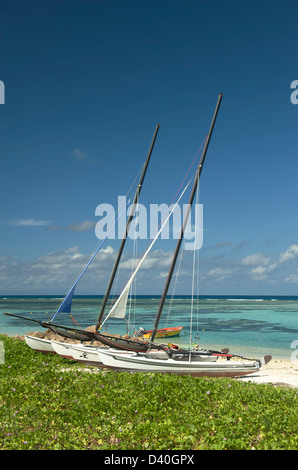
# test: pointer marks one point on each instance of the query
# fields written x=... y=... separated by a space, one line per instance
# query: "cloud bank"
x=56 y=271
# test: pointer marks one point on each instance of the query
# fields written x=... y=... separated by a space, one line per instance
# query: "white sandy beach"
x=277 y=372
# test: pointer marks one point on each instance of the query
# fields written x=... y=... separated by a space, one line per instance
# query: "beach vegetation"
x=51 y=403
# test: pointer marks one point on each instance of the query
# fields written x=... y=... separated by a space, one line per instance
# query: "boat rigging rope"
x=132 y=296
x=74 y=322
x=180 y=255
x=160 y=225
x=194 y=274
x=100 y=242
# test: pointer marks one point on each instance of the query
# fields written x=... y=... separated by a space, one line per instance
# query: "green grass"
x=44 y=407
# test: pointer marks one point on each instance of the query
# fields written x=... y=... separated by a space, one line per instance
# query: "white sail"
x=119 y=308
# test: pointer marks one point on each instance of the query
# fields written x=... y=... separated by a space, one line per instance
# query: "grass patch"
x=44 y=407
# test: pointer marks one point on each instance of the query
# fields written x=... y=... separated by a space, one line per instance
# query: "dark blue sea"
x=246 y=325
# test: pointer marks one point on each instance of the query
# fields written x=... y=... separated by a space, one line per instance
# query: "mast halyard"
x=191 y=198
x=117 y=261
x=83 y=335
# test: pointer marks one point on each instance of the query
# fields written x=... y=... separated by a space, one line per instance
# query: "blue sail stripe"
x=65 y=306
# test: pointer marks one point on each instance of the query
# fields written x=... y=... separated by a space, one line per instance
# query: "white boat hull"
x=39 y=344
x=180 y=366
x=84 y=354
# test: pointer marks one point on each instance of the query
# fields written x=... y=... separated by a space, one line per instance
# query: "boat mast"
x=191 y=198
x=135 y=201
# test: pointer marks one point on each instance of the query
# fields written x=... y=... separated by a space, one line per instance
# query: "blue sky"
x=86 y=82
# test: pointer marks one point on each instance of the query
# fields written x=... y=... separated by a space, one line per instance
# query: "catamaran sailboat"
x=145 y=354
x=79 y=334
x=39 y=344
x=191 y=361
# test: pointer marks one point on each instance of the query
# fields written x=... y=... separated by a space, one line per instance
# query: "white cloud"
x=292 y=278
x=163 y=275
x=262 y=265
x=157 y=259
x=76 y=227
x=81 y=226
x=31 y=222
x=255 y=259
x=260 y=272
x=290 y=253
x=78 y=154
x=55 y=272
x=220 y=273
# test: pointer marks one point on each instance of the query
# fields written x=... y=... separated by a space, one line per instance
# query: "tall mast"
x=135 y=201
x=191 y=198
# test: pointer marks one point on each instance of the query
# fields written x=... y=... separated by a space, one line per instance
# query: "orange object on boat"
x=163 y=332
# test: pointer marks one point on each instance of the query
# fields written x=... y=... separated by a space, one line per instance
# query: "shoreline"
x=278 y=372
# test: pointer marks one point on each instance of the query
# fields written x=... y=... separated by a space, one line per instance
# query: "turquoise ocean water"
x=251 y=326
